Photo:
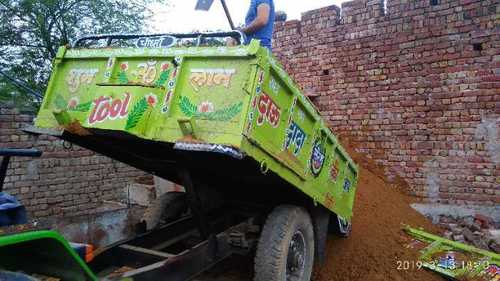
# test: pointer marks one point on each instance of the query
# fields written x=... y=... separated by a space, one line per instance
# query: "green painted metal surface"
x=42 y=252
x=456 y=260
x=239 y=97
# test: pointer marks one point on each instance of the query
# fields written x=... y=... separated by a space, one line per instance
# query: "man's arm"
x=263 y=13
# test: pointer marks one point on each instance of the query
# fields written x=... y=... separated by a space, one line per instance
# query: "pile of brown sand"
x=375 y=249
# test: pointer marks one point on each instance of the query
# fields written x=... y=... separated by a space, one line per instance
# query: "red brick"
x=438 y=92
x=63 y=175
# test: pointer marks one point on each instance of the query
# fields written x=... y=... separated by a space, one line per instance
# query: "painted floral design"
x=206 y=110
x=164 y=74
x=151 y=99
x=347 y=185
x=139 y=110
x=122 y=76
x=206 y=107
x=317 y=157
x=73 y=103
x=124 y=66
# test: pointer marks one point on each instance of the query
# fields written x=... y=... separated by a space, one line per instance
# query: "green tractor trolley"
x=259 y=165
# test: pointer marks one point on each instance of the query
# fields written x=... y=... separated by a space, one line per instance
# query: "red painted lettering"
x=268 y=110
x=124 y=111
x=116 y=106
x=108 y=108
x=94 y=115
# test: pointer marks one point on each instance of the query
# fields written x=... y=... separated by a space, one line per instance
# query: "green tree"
x=32 y=30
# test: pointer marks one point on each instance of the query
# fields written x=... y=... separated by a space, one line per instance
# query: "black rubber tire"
x=166 y=208
x=272 y=251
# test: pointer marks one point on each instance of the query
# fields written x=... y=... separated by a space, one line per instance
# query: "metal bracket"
x=238 y=239
x=188 y=126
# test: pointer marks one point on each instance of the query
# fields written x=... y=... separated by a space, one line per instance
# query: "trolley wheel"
x=286 y=246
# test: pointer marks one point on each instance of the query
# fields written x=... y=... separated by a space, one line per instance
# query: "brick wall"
x=63 y=182
x=415 y=86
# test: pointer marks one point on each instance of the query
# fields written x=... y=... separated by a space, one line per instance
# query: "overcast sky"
x=180 y=15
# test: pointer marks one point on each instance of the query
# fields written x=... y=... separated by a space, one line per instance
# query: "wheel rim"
x=296 y=258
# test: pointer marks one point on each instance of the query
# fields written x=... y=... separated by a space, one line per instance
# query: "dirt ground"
x=376 y=244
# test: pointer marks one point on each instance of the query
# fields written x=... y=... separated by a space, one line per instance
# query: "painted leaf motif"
x=187 y=107
x=84 y=107
x=122 y=77
x=225 y=114
x=163 y=78
x=60 y=102
x=136 y=114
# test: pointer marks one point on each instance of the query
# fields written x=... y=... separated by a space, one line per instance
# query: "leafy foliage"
x=9 y=96
x=122 y=77
x=32 y=30
x=84 y=107
x=163 y=78
x=60 y=102
x=225 y=114
x=188 y=108
x=136 y=114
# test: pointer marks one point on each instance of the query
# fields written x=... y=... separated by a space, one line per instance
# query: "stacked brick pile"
x=65 y=181
x=478 y=230
x=414 y=84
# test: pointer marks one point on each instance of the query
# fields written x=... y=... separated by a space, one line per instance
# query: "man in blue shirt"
x=259 y=22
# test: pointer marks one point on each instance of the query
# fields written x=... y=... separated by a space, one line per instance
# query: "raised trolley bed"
x=229 y=125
